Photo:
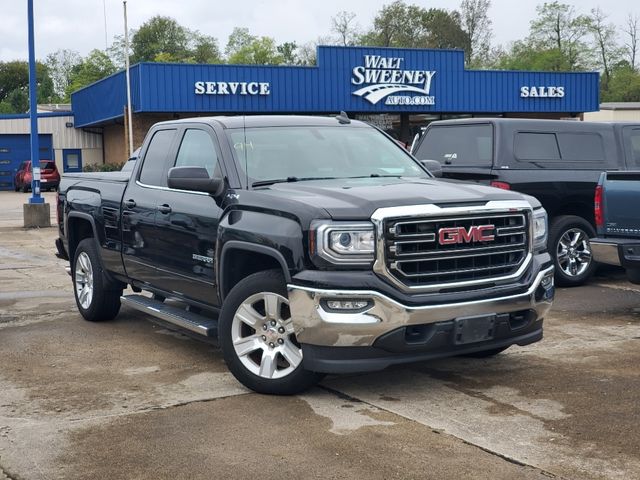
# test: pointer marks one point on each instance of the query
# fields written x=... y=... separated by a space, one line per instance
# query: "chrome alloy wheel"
x=574 y=252
x=84 y=280
x=263 y=336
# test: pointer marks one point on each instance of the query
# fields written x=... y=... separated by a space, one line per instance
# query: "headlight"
x=344 y=243
x=539 y=229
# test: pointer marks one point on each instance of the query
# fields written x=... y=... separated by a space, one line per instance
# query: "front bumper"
x=379 y=329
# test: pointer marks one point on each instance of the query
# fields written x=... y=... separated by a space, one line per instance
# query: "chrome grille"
x=422 y=252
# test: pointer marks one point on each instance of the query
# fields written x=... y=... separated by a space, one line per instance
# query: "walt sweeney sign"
x=385 y=79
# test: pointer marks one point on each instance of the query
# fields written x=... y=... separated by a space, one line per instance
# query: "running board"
x=177 y=316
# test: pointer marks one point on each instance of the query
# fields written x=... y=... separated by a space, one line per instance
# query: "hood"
x=352 y=199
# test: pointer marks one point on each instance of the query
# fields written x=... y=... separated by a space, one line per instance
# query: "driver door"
x=187 y=222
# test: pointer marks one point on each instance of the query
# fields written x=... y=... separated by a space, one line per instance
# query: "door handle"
x=164 y=208
x=130 y=203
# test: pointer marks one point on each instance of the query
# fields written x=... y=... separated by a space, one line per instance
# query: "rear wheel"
x=25 y=188
x=97 y=298
x=571 y=250
x=257 y=337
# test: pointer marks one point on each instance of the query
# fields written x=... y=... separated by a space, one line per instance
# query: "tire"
x=25 y=189
x=486 y=353
x=570 y=249
x=16 y=188
x=633 y=274
x=97 y=298
x=272 y=362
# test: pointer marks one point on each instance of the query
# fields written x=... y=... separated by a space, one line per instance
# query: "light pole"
x=33 y=113
x=36 y=212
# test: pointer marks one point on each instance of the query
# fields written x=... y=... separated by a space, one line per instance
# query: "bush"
x=105 y=167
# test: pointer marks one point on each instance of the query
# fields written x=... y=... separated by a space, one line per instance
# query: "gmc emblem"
x=476 y=233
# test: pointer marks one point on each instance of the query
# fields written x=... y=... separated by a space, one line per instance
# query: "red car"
x=49 y=176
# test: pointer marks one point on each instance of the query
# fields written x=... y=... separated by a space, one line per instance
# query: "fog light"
x=547 y=281
x=348 y=305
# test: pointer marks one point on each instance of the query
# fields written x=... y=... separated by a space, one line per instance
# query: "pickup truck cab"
x=556 y=161
x=306 y=246
x=618 y=220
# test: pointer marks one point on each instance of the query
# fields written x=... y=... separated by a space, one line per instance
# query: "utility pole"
x=36 y=212
x=126 y=64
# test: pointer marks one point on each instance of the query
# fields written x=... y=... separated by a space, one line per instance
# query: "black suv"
x=558 y=162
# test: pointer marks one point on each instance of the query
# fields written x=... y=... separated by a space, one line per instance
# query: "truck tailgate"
x=621 y=199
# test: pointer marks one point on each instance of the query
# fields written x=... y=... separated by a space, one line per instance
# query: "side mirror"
x=433 y=166
x=194 y=179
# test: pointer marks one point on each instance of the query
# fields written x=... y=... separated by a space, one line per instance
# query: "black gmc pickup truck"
x=306 y=245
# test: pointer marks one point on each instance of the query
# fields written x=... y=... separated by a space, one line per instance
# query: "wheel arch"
x=79 y=226
x=578 y=209
x=239 y=259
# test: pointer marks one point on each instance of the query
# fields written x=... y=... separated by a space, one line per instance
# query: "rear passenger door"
x=187 y=222
x=464 y=151
x=141 y=247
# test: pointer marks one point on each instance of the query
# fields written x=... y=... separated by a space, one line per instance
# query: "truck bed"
x=103 y=176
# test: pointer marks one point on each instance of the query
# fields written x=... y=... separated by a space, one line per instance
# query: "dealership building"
x=396 y=89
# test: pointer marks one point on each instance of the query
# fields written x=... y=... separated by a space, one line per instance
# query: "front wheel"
x=571 y=250
x=257 y=337
x=97 y=298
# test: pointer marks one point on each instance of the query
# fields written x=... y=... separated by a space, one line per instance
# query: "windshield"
x=305 y=153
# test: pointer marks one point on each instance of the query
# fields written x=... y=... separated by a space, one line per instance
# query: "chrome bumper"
x=316 y=324
x=605 y=252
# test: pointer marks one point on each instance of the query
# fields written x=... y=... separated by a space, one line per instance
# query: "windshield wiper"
x=263 y=183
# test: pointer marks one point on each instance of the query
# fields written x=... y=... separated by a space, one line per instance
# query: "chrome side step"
x=193 y=322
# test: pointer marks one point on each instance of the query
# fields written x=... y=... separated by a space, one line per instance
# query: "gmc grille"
x=423 y=252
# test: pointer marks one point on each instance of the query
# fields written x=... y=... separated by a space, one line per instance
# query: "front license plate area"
x=474 y=329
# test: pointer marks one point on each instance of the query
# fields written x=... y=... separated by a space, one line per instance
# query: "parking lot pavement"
x=131 y=399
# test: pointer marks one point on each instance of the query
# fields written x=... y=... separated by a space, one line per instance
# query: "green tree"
x=523 y=55
x=606 y=48
x=631 y=34
x=344 y=25
x=94 y=67
x=558 y=27
x=288 y=52
x=246 y=49
x=204 y=49
x=411 y=26
x=475 y=21
x=160 y=35
x=14 y=86
x=624 y=85
x=61 y=64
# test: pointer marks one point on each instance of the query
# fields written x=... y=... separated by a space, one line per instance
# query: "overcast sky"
x=79 y=24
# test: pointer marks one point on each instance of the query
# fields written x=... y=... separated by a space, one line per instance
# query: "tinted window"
x=155 y=158
x=536 y=146
x=458 y=145
x=47 y=165
x=197 y=150
x=632 y=141
x=581 y=147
